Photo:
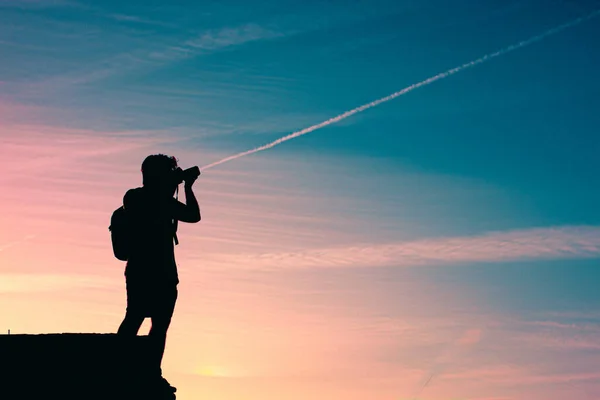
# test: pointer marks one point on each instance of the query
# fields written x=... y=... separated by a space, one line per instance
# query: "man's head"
x=157 y=172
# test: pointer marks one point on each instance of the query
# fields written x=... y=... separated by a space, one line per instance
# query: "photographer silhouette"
x=151 y=272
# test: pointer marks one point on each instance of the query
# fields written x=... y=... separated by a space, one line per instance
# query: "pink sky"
x=264 y=311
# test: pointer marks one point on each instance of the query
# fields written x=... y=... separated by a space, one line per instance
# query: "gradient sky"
x=452 y=233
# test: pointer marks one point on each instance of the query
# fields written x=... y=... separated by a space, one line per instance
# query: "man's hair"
x=156 y=166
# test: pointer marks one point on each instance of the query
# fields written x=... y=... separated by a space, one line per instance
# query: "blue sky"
x=483 y=185
x=525 y=122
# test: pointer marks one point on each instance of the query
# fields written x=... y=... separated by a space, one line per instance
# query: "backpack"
x=119 y=233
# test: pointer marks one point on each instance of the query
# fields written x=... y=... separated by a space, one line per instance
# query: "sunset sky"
x=444 y=245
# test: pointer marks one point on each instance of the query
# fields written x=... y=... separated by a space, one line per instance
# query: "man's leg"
x=134 y=318
x=161 y=319
x=131 y=324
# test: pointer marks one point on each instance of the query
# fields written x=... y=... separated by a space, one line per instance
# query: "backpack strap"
x=175 y=222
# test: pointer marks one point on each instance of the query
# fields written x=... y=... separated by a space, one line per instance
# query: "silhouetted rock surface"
x=77 y=366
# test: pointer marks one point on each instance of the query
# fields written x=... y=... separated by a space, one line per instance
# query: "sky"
x=443 y=245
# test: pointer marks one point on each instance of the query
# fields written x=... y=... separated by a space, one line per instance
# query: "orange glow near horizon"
x=249 y=325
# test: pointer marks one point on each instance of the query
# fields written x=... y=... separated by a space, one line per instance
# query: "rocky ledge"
x=77 y=366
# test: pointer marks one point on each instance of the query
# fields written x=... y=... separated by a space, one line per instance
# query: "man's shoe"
x=166 y=385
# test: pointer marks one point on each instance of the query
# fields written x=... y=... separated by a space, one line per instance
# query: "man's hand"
x=189 y=212
x=188 y=183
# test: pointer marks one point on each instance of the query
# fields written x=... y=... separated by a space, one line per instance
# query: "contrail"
x=469 y=337
x=408 y=89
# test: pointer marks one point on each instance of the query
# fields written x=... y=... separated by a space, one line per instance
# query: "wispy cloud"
x=35 y=3
x=16 y=242
x=28 y=149
x=27 y=283
x=138 y=20
x=468 y=338
x=527 y=244
x=152 y=56
x=520 y=376
x=558 y=336
x=231 y=36
x=216 y=39
x=492 y=372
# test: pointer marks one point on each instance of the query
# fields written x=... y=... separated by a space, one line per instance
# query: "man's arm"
x=189 y=212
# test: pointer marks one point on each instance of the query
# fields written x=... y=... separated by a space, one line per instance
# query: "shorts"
x=151 y=299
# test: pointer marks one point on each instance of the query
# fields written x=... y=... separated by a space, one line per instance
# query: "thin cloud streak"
x=516 y=376
x=28 y=283
x=226 y=37
x=554 y=339
x=408 y=89
x=25 y=4
x=16 y=242
x=205 y=43
x=213 y=40
x=527 y=244
x=469 y=338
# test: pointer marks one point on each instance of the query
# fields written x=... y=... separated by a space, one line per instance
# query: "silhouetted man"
x=151 y=272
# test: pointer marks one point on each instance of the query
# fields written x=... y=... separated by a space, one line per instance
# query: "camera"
x=186 y=174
